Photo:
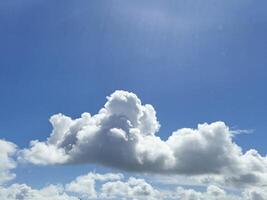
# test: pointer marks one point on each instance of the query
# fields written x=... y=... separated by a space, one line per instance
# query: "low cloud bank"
x=116 y=186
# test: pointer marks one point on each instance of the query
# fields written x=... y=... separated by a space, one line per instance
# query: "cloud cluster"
x=215 y=193
x=25 y=192
x=7 y=150
x=85 y=185
x=212 y=193
x=131 y=189
x=111 y=186
x=123 y=135
x=116 y=186
x=255 y=194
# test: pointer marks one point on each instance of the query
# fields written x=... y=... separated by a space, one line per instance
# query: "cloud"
x=255 y=194
x=25 y=192
x=116 y=186
x=7 y=150
x=212 y=193
x=123 y=135
x=85 y=185
x=131 y=189
x=241 y=131
x=110 y=186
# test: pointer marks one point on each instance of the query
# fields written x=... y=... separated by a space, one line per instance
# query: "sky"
x=194 y=62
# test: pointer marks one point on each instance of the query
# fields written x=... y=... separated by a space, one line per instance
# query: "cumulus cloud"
x=212 y=193
x=25 y=192
x=217 y=193
x=85 y=185
x=255 y=194
x=131 y=189
x=116 y=186
x=111 y=186
x=7 y=150
x=123 y=135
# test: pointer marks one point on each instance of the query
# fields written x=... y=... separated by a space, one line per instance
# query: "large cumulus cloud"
x=123 y=135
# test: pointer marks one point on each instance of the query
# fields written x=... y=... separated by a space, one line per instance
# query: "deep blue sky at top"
x=194 y=61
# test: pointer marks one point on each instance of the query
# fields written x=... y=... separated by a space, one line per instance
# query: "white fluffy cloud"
x=85 y=185
x=115 y=186
x=131 y=189
x=111 y=186
x=7 y=150
x=123 y=135
x=25 y=192
x=212 y=193
x=255 y=194
x=216 y=193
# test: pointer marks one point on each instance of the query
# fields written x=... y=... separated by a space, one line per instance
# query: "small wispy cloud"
x=242 y=131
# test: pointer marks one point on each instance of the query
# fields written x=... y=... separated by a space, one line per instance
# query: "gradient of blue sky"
x=194 y=61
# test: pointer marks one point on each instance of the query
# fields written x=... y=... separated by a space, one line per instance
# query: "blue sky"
x=194 y=61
